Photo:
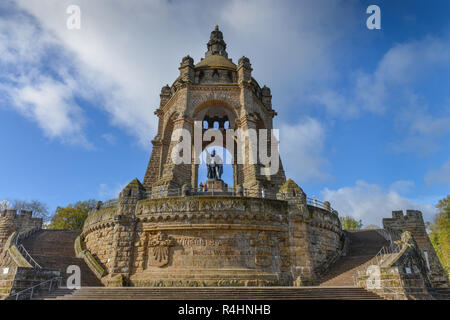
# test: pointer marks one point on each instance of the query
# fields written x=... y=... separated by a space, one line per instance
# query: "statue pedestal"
x=216 y=186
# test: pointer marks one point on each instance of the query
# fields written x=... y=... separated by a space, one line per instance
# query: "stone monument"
x=260 y=231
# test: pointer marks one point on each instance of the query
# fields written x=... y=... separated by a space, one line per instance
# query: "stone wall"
x=401 y=275
x=98 y=235
x=316 y=238
x=211 y=240
x=413 y=223
x=11 y=220
x=15 y=279
x=215 y=87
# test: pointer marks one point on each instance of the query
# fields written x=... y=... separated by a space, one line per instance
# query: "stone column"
x=175 y=176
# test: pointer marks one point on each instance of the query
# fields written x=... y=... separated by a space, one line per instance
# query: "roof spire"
x=216 y=45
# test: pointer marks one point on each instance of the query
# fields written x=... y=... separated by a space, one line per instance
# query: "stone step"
x=363 y=246
x=216 y=293
x=54 y=249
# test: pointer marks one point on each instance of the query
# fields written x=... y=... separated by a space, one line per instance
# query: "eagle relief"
x=159 y=246
x=263 y=249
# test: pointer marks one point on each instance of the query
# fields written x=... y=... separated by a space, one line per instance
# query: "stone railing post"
x=185 y=190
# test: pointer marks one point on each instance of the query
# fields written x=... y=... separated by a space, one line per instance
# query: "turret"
x=187 y=73
x=266 y=97
x=244 y=70
x=165 y=95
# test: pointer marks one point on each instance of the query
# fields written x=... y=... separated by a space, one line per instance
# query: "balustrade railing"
x=110 y=203
x=28 y=293
x=229 y=191
x=380 y=257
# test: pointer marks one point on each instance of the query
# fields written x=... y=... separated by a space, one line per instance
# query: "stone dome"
x=216 y=62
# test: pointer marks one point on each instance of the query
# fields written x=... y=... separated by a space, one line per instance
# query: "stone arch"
x=210 y=110
x=215 y=107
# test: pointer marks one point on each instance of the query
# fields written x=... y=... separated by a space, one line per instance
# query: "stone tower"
x=413 y=222
x=213 y=90
x=163 y=233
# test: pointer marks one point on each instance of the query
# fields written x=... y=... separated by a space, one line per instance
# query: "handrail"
x=21 y=248
x=28 y=257
x=380 y=286
x=378 y=258
x=385 y=250
x=385 y=234
x=17 y=294
x=395 y=291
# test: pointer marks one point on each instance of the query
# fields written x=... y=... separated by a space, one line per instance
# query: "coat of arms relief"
x=159 y=249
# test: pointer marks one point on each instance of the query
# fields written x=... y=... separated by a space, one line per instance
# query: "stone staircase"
x=54 y=249
x=441 y=294
x=363 y=246
x=211 y=293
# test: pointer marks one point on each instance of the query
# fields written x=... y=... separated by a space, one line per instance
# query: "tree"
x=39 y=209
x=440 y=233
x=4 y=204
x=72 y=217
x=349 y=223
x=372 y=226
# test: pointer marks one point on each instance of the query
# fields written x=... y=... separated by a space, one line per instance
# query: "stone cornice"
x=214 y=86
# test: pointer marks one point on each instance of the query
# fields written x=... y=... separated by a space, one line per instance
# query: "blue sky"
x=364 y=115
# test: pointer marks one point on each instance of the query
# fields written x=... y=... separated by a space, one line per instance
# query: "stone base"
x=209 y=278
x=210 y=240
x=216 y=186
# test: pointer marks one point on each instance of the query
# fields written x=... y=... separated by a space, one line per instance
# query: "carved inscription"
x=263 y=249
x=204 y=242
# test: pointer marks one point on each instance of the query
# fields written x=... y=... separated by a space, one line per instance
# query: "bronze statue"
x=214 y=166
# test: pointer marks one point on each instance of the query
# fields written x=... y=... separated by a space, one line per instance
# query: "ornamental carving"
x=159 y=249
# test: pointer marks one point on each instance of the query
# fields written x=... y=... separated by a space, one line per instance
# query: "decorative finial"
x=216 y=45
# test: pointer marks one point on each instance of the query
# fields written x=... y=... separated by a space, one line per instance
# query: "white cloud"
x=50 y=104
x=301 y=149
x=439 y=176
x=128 y=50
x=402 y=186
x=394 y=88
x=402 y=69
x=106 y=192
x=36 y=82
x=370 y=203
x=109 y=138
x=421 y=130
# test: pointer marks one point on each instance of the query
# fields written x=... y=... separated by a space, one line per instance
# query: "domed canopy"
x=216 y=62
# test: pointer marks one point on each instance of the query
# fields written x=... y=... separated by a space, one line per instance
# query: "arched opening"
x=216 y=110
x=218 y=116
